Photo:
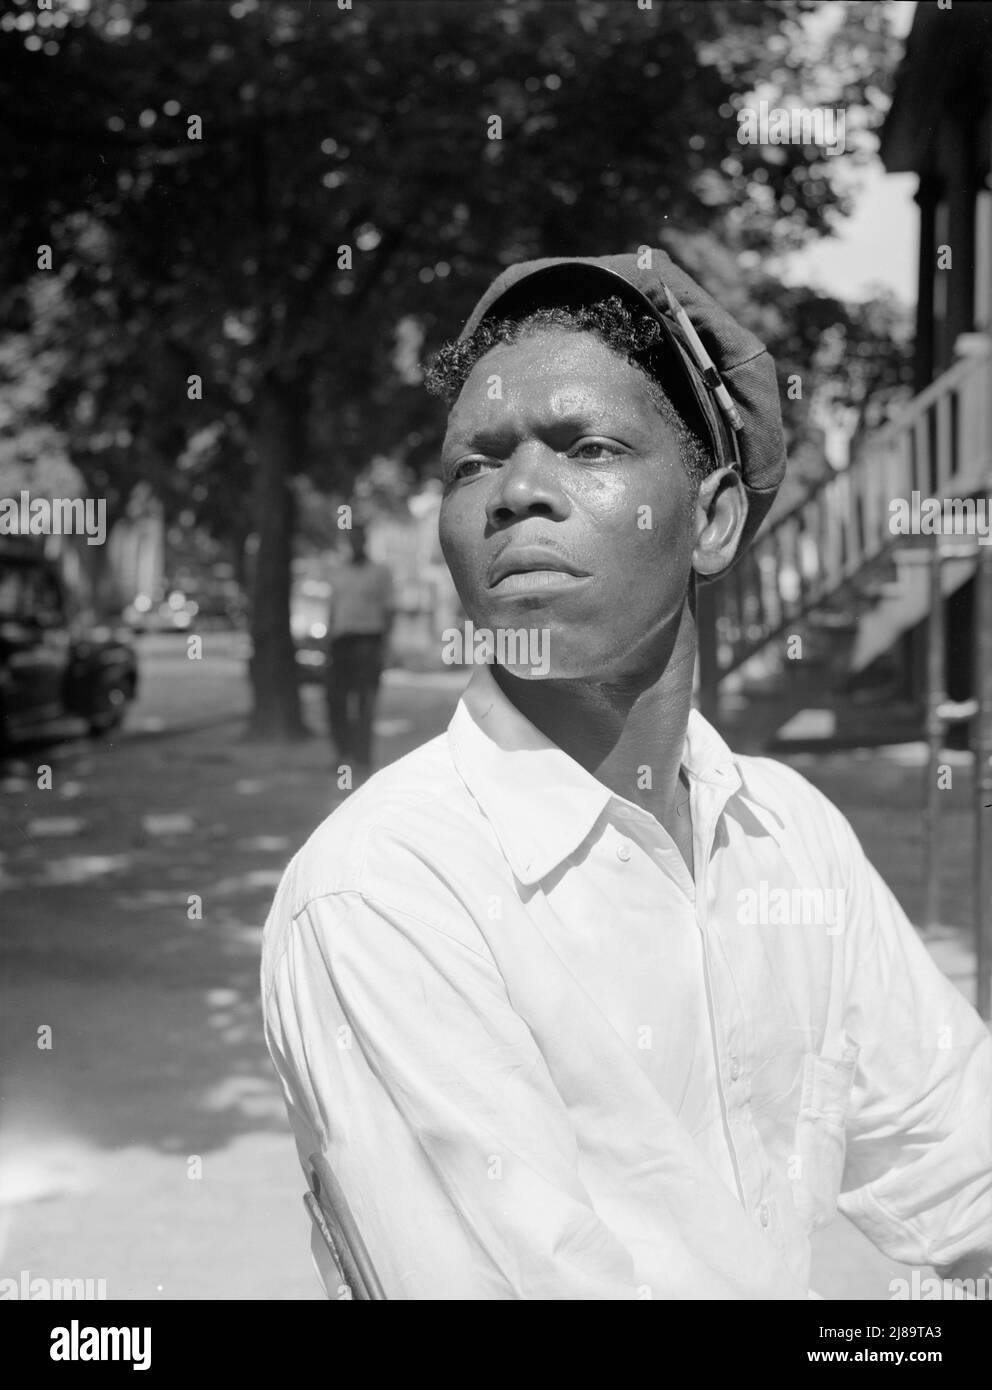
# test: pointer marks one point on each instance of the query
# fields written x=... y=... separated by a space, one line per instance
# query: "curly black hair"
x=629 y=334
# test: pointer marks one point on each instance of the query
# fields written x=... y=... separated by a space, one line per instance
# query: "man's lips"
x=531 y=559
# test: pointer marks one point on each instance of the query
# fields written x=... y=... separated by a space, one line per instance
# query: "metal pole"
x=983 y=780
x=707 y=608
x=935 y=738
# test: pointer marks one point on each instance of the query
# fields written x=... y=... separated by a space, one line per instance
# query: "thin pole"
x=983 y=780
x=936 y=697
x=707 y=608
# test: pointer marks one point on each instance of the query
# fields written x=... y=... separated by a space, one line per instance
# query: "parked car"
x=52 y=665
x=188 y=608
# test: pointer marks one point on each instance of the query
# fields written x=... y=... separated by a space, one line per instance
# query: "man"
x=510 y=988
x=358 y=625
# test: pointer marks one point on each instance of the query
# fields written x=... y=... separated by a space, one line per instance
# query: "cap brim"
x=568 y=284
x=574 y=283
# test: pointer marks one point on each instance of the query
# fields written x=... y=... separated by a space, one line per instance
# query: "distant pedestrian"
x=358 y=625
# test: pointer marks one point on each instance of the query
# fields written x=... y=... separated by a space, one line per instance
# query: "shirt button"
x=623 y=853
x=735 y=1068
x=764 y=1215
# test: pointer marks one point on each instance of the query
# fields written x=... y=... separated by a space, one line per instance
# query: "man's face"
x=564 y=461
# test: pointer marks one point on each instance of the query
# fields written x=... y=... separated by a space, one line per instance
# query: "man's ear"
x=720 y=514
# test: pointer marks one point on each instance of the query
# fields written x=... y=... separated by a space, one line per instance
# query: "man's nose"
x=528 y=484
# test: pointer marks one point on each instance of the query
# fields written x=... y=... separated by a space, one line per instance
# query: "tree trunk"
x=281 y=417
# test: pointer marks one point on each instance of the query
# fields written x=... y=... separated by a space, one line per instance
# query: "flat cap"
x=728 y=392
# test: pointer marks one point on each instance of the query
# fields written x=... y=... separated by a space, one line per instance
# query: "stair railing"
x=940 y=443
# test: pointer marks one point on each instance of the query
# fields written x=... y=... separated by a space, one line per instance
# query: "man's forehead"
x=549 y=347
x=558 y=380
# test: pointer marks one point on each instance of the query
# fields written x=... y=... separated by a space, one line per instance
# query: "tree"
x=247 y=203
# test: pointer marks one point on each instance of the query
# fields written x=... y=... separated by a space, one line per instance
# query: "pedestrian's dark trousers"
x=354 y=672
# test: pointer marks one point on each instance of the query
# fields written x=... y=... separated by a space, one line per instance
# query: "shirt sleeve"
x=404 y=1063
x=918 y=1174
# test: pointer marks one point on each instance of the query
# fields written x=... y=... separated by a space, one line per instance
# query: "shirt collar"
x=540 y=802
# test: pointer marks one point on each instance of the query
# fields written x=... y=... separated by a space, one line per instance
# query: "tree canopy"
x=261 y=215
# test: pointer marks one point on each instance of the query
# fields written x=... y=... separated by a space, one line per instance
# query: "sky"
x=877 y=244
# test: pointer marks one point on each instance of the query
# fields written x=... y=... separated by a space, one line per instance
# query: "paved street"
x=167 y=697
x=148 y=1144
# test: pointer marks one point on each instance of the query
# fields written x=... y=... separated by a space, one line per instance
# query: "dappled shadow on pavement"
x=133 y=893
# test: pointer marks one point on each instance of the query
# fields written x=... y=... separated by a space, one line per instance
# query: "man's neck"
x=629 y=734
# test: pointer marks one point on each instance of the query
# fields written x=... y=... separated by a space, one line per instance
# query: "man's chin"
x=529 y=646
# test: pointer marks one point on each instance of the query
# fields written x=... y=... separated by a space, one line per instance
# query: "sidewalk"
x=149 y=1145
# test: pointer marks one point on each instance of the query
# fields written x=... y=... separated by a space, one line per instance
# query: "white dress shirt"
x=545 y=1064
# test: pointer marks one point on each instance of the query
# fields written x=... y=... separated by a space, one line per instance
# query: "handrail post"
x=936 y=697
x=983 y=779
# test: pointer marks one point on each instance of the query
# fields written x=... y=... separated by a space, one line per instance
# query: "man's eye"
x=467 y=468
x=595 y=448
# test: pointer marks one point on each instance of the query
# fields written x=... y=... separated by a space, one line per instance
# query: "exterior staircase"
x=829 y=587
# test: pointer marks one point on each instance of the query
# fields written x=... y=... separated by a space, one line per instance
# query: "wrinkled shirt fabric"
x=546 y=1062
